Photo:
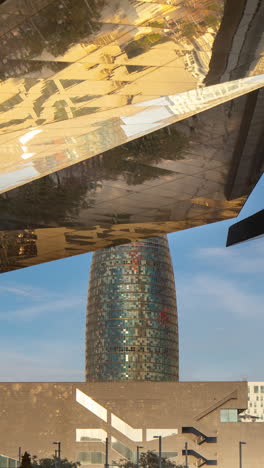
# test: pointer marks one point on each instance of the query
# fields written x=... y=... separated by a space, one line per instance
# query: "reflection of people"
x=27 y=246
x=17 y=245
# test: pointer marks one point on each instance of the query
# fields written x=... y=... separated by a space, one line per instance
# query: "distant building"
x=8 y=462
x=132 y=330
x=255 y=411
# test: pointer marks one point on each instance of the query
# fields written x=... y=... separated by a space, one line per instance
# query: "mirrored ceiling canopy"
x=123 y=120
x=78 y=77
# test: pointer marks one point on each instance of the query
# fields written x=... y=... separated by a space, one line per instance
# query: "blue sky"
x=220 y=299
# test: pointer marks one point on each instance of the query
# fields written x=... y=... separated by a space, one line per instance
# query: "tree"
x=148 y=460
x=52 y=463
x=26 y=461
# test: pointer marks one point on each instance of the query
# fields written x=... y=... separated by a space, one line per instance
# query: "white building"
x=255 y=409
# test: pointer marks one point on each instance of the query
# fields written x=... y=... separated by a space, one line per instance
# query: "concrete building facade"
x=81 y=415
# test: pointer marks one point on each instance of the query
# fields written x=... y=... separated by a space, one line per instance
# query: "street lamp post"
x=58 y=452
x=240 y=453
x=106 y=452
x=186 y=455
x=59 y=448
x=138 y=449
x=160 y=448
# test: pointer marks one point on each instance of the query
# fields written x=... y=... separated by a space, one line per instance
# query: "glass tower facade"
x=132 y=330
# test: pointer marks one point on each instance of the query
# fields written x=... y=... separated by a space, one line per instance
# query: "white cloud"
x=23 y=290
x=29 y=313
x=217 y=293
x=243 y=258
x=34 y=355
x=38 y=302
x=44 y=361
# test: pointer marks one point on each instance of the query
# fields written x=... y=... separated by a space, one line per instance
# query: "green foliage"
x=26 y=461
x=136 y=159
x=156 y=24
x=143 y=44
x=148 y=460
x=55 y=31
x=57 y=199
x=53 y=463
x=188 y=29
x=211 y=21
x=48 y=201
x=218 y=7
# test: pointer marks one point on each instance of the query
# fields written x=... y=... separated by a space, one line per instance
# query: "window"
x=90 y=435
x=123 y=450
x=256 y=388
x=228 y=415
x=257 y=398
x=87 y=458
x=262 y=388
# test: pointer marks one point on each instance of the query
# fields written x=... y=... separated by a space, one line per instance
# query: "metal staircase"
x=201 y=461
x=201 y=438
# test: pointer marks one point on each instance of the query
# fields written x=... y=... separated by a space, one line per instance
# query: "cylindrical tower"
x=132 y=330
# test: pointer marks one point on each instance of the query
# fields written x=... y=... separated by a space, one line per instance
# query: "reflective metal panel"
x=197 y=171
x=78 y=77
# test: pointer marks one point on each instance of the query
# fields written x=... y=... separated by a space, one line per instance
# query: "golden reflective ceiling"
x=82 y=82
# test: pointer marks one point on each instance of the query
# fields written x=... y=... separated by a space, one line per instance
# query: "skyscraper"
x=132 y=331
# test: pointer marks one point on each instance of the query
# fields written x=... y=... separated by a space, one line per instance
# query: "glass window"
x=123 y=450
x=90 y=435
x=256 y=388
x=228 y=415
x=262 y=388
x=87 y=458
